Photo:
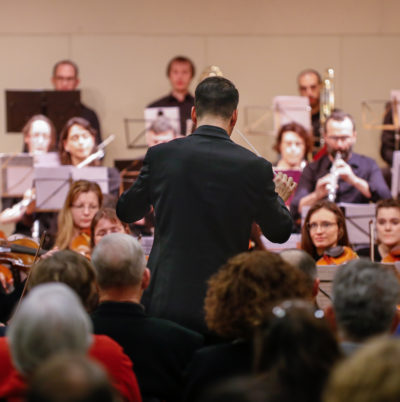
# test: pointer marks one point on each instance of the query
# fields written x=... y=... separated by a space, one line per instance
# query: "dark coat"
x=206 y=192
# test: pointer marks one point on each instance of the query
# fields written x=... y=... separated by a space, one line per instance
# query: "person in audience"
x=160 y=349
x=105 y=222
x=51 y=320
x=364 y=303
x=238 y=299
x=295 y=352
x=305 y=263
x=387 y=218
x=83 y=200
x=358 y=178
x=180 y=72
x=65 y=77
x=70 y=378
x=293 y=144
x=77 y=143
x=370 y=375
x=324 y=235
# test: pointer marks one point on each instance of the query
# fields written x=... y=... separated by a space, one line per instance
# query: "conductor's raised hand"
x=284 y=185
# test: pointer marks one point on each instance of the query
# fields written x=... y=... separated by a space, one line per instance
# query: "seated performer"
x=180 y=72
x=293 y=144
x=104 y=222
x=324 y=235
x=39 y=137
x=66 y=78
x=77 y=143
x=81 y=204
x=358 y=178
x=388 y=232
x=160 y=131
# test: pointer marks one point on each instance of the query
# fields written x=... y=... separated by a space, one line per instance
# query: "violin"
x=337 y=255
x=393 y=256
x=81 y=244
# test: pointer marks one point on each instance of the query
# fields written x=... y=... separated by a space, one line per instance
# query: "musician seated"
x=293 y=143
x=160 y=131
x=358 y=178
x=77 y=143
x=104 y=222
x=39 y=136
x=83 y=200
x=324 y=235
x=387 y=248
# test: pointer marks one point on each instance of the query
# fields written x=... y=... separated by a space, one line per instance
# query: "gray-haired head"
x=365 y=296
x=119 y=261
x=50 y=320
x=161 y=124
x=301 y=260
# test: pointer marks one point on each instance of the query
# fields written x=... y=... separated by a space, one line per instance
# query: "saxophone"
x=334 y=178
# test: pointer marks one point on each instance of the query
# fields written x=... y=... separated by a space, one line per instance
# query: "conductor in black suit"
x=206 y=192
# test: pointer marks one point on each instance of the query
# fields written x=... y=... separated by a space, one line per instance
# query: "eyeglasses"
x=77 y=137
x=323 y=225
x=81 y=207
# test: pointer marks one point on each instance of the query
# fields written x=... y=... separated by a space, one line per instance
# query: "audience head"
x=83 y=200
x=70 y=378
x=340 y=134
x=305 y=263
x=240 y=293
x=39 y=135
x=295 y=351
x=370 y=375
x=293 y=143
x=388 y=222
x=77 y=141
x=119 y=261
x=65 y=76
x=309 y=82
x=180 y=71
x=216 y=97
x=105 y=222
x=364 y=298
x=324 y=227
x=160 y=131
x=71 y=269
x=50 y=320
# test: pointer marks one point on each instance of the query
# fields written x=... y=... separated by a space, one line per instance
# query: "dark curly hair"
x=240 y=294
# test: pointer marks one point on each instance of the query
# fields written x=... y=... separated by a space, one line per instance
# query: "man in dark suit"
x=206 y=192
x=159 y=349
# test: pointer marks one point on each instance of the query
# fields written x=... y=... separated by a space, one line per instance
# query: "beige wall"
x=122 y=48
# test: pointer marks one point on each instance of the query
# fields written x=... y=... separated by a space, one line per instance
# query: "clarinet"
x=332 y=185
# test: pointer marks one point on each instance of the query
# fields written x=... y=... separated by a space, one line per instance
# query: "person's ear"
x=330 y=317
x=145 y=279
x=234 y=118
x=193 y=115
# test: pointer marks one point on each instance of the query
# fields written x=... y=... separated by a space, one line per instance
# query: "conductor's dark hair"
x=216 y=96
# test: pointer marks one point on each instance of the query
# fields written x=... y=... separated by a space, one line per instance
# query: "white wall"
x=122 y=48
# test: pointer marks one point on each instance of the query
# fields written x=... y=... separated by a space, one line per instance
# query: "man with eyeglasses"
x=360 y=179
x=66 y=78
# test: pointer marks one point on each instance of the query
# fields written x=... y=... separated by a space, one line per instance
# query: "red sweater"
x=104 y=350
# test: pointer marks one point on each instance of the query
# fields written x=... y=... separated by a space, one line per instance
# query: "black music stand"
x=58 y=106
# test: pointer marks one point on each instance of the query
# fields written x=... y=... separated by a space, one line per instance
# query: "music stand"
x=98 y=174
x=288 y=109
x=396 y=174
x=58 y=106
x=16 y=174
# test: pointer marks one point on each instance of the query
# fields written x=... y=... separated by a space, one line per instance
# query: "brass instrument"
x=327 y=98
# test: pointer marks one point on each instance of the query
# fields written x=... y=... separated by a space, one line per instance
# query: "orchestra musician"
x=293 y=143
x=77 y=143
x=104 y=222
x=324 y=234
x=387 y=216
x=83 y=200
x=39 y=136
